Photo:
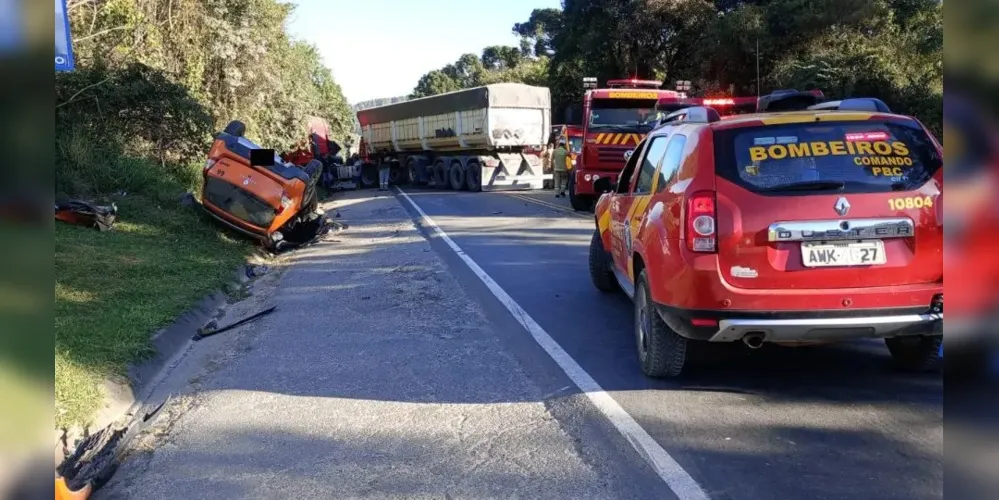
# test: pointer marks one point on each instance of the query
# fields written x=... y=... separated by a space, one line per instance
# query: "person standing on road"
x=560 y=170
x=383 y=174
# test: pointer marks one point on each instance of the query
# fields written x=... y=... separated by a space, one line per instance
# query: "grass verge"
x=114 y=289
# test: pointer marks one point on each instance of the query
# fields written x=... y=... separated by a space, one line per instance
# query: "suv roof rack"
x=854 y=104
x=693 y=114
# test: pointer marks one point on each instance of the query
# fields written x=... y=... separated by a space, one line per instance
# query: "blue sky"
x=381 y=48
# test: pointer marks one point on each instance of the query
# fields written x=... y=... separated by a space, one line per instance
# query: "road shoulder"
x=378 y=375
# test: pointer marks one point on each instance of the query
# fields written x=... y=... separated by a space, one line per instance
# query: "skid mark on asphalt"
x=675 y=477
x=553 y=206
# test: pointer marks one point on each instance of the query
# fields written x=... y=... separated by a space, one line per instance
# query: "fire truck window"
x=624 y=182
x=671 y=162
x=647 y=172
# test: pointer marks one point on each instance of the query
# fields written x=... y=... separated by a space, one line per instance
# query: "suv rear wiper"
x=809 y=186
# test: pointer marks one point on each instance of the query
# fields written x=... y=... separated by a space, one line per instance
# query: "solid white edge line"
x=679 y=481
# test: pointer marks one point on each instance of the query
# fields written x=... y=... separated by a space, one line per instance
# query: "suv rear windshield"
x=849 y=157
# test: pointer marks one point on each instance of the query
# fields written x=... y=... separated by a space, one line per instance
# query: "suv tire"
x=600 y=266
x=235 y=128
x=661 y=351
x=915 y=354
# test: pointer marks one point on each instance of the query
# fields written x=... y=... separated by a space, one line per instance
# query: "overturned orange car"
x=251 y=190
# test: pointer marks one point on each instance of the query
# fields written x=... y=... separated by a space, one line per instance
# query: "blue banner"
x=63 y=39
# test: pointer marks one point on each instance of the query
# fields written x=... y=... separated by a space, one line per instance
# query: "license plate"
x=858 y=253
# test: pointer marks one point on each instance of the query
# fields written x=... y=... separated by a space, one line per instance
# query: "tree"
x=433 y=83
x=540 y=30
x=501 y=57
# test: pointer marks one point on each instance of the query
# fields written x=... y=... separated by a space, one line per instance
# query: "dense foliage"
x=156 y=77
x=890 y=49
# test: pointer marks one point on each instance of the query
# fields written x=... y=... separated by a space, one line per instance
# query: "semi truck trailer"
x=483 y=138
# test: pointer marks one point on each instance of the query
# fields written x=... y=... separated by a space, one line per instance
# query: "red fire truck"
x=615 y=119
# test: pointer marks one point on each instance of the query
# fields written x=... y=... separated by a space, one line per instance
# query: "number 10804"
x=910 y=202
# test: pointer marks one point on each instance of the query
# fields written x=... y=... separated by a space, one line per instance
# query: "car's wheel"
x=456 y=175
x=235 y=128
x=600 y=265
x=579 y=203
x=661 y=351
x=412 y=175
x=915 y=354
x=473 y=176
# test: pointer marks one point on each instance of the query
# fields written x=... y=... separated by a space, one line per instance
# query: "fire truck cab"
x=615 y=119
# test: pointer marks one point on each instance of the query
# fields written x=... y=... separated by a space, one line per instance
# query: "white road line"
x=678 y=480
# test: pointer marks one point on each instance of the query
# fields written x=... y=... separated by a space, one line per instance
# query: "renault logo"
x=842 y=206
x=628 y=153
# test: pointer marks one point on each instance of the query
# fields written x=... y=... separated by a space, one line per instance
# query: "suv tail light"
x=701 y=222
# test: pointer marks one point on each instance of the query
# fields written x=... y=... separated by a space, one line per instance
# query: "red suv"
x=815 y=225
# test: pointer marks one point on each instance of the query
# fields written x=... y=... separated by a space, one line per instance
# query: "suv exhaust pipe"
x=753 y=340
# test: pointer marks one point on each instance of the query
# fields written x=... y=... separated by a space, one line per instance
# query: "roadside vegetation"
x=155 y=79
x=891 y=49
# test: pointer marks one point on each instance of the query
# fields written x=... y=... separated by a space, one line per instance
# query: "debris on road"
x=87 y=214
x=95 y=459
x=211 y=328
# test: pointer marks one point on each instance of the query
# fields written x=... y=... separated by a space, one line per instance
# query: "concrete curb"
x=124 y=398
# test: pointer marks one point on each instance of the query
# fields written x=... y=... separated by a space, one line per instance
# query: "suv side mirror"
x=262 y=158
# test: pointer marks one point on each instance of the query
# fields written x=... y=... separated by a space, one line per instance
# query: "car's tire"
x=440 y=175
x=600 y=266
x=235 y=128
x=661 y=351
x=915 y=354
x=473 y=176
x=579 y=203
x=456 y=176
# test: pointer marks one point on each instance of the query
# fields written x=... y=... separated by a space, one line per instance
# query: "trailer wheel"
x=412 y=176
x=369 y=176
x=473 y=177
x=396 y=176
x=235 y=128
x=440 y=175
x=457 y=176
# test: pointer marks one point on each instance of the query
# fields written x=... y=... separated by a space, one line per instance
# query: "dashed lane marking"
x=675 y=477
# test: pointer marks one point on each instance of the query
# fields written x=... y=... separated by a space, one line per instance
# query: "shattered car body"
x=251 y=190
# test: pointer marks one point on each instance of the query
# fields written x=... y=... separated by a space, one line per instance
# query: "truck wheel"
x=661 y=351
x=440 y=175
x=396 y=177
x=457 y=176
x=915 y=354
x=473 y=177
x=600 y=265
x=579 y=203
x=369 y=176
x=235 y=128
x=412 y=175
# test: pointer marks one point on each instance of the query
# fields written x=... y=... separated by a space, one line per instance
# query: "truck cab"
x=615 y=120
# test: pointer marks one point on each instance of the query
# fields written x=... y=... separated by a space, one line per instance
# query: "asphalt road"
x=391 y=370
x=818 y=422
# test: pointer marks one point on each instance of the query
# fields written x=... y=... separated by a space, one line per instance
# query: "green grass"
x=114 y=289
